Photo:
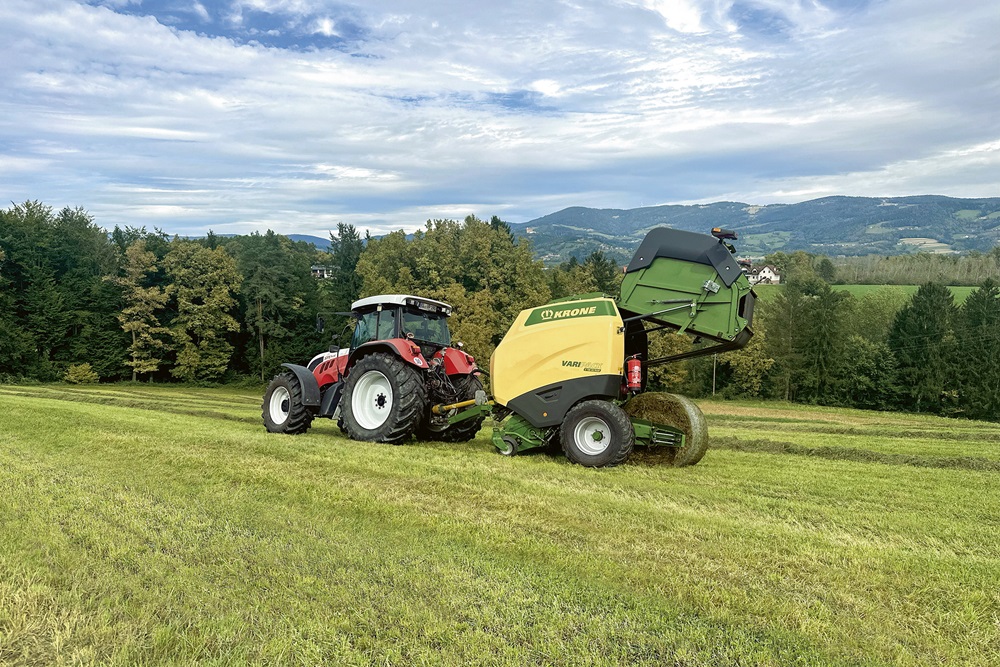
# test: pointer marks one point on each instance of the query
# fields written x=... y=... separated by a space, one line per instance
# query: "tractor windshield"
x=426 y=327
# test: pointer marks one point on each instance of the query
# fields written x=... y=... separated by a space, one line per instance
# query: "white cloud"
x=512 y=108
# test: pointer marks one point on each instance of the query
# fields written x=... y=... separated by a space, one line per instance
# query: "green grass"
x=161 y=525
x=960 y=292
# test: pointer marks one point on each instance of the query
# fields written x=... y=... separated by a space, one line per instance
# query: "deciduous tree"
x=139 y=317
x=203 y=285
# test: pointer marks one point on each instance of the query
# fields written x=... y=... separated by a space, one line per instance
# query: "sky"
x=296 y=115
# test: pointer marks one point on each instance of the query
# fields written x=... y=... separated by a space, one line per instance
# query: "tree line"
x=881 y=350
x=139 y=305
x=969 y=268
x=78 y=302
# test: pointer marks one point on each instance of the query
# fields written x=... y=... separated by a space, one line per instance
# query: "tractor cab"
x=392 y=316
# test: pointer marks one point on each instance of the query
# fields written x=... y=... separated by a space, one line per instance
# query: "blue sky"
x=295 y=115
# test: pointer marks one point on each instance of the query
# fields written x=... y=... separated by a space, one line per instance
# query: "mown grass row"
x=161 y=525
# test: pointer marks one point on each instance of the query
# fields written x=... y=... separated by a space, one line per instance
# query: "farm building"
x=764 y=275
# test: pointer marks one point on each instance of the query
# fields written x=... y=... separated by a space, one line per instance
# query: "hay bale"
x=679 y=412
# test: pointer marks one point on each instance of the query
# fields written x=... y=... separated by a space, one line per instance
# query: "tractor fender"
x=402 y=348
x=457 y=362
x=310 y=388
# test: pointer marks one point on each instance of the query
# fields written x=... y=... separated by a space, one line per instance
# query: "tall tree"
x=83 y=256
x=344 y=286
x=783 y=341
x=977 y=352
x=921 y=340
x=605 y=271
x=203 y=284
x=279 y=301
x=14 y=352
x=821 y=339
x=139 y=317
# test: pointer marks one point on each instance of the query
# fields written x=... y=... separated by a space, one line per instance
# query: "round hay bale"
x=681 y=413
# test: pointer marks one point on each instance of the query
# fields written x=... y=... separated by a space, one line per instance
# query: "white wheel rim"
x=592 y=435
x=371 y=401
x=280 y=405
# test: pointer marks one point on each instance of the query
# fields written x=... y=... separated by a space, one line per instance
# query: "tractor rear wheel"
x=282 y=409
x=597 y=434
x=677 y=411
x=384 y=399
x=436 y=427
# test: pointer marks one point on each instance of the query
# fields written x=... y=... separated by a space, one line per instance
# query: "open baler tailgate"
x=690 y=283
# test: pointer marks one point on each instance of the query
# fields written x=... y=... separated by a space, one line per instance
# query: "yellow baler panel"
x=555 y=343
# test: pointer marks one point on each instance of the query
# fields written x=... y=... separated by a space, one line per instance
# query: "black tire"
x=510 y=446
x=597 y=434
x=384 y=399
x=436 y=427
x=282 y=408
x=677 y=411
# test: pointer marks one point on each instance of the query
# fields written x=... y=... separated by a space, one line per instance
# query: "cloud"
x=297 y=115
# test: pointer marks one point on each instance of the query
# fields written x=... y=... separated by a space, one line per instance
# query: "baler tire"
x=684 y=415
x=593 y=421
x=511 y=446
x=463 y=431
x=282 y=408
x=383 y=382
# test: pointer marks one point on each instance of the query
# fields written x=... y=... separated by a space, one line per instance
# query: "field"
x=161 y=525
x=960 y=292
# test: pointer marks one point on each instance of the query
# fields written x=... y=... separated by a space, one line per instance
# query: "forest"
x=80 y=304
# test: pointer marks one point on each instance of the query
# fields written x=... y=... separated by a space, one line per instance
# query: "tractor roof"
x=401 y=300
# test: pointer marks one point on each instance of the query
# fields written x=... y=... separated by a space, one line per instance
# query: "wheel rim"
x=280 y=405
x=592 y=435
x=372 y=400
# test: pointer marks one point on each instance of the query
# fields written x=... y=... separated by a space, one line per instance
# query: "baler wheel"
x=677 y=411
x=510 y=446
x=384 y=400
x=282 y=409
x=597 y=434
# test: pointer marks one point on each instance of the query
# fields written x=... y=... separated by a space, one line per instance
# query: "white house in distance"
x=322 y=272
x=764 y=275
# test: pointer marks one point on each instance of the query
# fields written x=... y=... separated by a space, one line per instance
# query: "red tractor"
x=399 y=365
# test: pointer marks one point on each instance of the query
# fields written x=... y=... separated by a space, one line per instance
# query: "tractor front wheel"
x=282 y=409
x=597 y=434
x=384 y=399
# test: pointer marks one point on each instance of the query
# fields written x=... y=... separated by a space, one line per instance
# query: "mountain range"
x=830 y=226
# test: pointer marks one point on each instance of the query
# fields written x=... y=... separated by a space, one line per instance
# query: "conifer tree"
x=977 y=358
x=921 y=340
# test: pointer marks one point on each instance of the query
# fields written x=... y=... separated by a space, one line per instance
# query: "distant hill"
x=319 y=242
x=831 y=225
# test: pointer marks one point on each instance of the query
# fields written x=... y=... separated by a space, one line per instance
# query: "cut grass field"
x=162 y=525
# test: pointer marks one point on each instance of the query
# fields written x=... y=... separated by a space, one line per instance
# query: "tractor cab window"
x=374 y=326
x=364 y=330
x=426 y=327
x=386 y=324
